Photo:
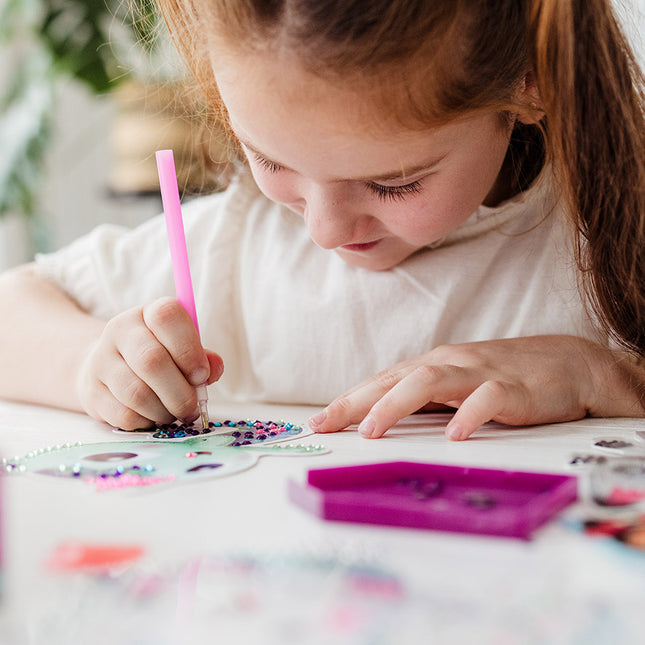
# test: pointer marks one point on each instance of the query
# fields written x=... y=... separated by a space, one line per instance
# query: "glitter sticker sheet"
x=172 y=453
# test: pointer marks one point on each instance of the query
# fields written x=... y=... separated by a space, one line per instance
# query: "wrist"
x=618 y=383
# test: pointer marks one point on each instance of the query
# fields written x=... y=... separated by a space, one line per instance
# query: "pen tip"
x=204 y=417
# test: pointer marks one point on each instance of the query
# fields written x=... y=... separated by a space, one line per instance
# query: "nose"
x=330 y=216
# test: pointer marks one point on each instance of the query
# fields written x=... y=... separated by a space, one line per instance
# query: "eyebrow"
x=401 y=173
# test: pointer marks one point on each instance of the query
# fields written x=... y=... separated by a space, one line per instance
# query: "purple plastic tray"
x=434 y=496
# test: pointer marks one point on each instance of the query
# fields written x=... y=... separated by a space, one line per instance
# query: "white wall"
x=78 y=170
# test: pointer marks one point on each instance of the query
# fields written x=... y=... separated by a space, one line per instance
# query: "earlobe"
x=532 y=111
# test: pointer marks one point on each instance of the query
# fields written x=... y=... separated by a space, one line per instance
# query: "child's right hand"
x=144 y=367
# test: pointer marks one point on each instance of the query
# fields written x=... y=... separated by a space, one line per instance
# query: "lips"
x=360 y=247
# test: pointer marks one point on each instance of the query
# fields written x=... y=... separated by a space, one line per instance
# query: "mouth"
x=360 y=248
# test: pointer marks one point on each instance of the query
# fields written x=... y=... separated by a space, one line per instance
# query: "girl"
x=451 y=197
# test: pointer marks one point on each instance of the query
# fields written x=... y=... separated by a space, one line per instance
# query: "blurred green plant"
x=99 y=43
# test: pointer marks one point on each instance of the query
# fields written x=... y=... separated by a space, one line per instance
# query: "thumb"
x=216 y=365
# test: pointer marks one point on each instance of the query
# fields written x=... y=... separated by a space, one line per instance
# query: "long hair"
x=436 y=60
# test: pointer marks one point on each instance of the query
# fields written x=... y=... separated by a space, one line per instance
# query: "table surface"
x=262 y=570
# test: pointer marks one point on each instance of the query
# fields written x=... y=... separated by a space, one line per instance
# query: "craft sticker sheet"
x=168 y=454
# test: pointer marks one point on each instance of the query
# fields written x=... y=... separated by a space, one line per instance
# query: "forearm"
x=44 y=336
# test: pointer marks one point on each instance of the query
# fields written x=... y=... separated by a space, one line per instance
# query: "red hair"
x=436 y=60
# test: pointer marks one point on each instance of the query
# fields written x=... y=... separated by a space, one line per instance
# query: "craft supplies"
x=432 y=496
x=244 y=431
x=81 y=556
x=618 y=482
x=179 y=253
x=169 y=454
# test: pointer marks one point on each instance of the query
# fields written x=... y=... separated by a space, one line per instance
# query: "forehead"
x=257 y=83
x=293 y=116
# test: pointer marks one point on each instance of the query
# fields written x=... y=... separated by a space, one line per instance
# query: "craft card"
x=180 y=454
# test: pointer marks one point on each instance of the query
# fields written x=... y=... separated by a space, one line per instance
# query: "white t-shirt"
x=296 y=324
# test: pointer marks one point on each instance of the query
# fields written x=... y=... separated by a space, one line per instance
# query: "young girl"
x=442 y=202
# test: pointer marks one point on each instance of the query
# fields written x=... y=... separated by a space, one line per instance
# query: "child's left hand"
x=516 y=381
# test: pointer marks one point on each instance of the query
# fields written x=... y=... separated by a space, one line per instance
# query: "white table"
x=561 y=587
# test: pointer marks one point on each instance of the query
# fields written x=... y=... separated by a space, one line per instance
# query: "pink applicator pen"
x=179 y=254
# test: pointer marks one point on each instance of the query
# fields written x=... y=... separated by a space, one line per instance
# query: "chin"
x=369 y=263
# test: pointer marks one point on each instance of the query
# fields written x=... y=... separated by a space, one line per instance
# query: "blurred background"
x=89 y=89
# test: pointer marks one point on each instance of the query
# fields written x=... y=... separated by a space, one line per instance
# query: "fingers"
x=381 y=402
x=445 y=384
x=491 y=400
x=394 y=394
x=109 y=409
x=353 y=406
x=125 y=389
x=148 y=379
x=172 y=327
x=145 y=367
x=216 y=366
x=516 y=381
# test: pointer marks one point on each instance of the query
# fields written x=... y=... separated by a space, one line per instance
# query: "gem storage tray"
x=439 y=497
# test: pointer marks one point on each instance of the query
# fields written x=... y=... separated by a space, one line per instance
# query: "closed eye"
x=385 y=193
x=266 y=164
x=394 y=193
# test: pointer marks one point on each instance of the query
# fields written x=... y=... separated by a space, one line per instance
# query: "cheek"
x=422 y=220
x=276 y=186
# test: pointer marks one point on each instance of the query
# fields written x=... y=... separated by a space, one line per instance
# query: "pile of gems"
x=245 y=432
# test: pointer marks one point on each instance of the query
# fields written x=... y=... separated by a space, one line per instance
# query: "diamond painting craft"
x=170 y=453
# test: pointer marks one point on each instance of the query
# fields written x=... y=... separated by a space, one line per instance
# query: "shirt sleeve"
x=114 y=268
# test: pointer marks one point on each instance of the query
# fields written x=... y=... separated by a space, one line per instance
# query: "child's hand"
x=518 y=381
x=144 y=368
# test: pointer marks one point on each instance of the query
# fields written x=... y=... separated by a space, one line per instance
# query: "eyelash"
x=384 y=193
x=395 y=192
x=270 y=166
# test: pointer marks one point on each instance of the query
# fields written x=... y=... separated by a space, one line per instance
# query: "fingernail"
x=454 y=431
x=367 y=427
x=199 y=376
x=318 y=419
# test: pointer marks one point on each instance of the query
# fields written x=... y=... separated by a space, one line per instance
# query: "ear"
x=529 y=97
